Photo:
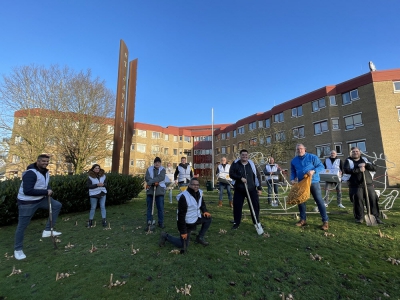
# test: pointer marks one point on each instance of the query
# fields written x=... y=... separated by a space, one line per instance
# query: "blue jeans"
x=315 y=190
x=178 y=241
x=159 y=202
x=222 y=186
x=275 y=184
x=25 y=214
x=93 y=204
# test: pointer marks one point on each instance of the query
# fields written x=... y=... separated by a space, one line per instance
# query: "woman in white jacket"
x=97 y=184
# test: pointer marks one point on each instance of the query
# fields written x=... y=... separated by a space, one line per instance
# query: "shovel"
x=370 y=220
x=53 y=238
x=151 y=224
x=258 y=226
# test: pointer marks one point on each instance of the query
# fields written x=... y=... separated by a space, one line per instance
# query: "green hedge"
x=72 y=192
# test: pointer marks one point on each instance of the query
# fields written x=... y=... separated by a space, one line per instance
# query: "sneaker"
x=325 y=226
x=47 y=233
x=379 y=221
x=301 y=223
x=163 y=239
x=326 y=204
x=201 y=241
x=19 y=254
x=161 y=225
x=104 y=222
x=341 y=205
x=235 y=226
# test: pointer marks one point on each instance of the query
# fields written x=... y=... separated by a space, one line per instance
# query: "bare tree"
x=56 y=111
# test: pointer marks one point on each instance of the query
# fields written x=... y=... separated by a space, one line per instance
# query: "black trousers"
x=358 y=198
x=238 y=200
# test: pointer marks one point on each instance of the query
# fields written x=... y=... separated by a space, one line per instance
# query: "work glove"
x=207 y=215
x=184 y=236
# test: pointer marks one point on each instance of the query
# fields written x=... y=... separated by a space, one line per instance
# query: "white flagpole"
x=212 y=147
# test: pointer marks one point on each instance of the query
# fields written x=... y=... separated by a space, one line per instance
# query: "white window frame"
x=351 y=95
x=252 y=126
x=155 y=149
x=110 y=129
x=141 y=148
x=253 y=141
x=175 y=151
x=166 y=137
x=320 y=125
x=141 y=133
x=267 y=123
x=223 y=136
x=356 y=143
x=140 y=163
x=268 y=140
x=280 y=136
x=155 y=135
x=296 y=113
x=261 y=124
x=175 y=138
x=297 y=128
x=332 y=101
x=133 y=147
x=21 y=121
x=326 y=153
x=338 y=148
x=240 y=130
x=396 y=86
x=234 y=133
x=355 y=125
x=279 y=118
x=335 y=126
x=318 y=104
x=166 y=150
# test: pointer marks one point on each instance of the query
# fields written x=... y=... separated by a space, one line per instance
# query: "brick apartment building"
x=363 y=111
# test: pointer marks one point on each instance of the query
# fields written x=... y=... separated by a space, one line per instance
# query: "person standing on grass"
x=33 y=194
x=183 y=173
x=271 y=172
x=169 y=172
x=310 y=164
x=223 y=172
x=243 y=171
x=97 y=184
x=155 y=178
x=334 y=163
x=355 y=166
x=192 y=211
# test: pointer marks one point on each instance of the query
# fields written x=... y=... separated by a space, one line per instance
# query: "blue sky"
x=238 y=57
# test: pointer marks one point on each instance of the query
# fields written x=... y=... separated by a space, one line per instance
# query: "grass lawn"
x=353 y=266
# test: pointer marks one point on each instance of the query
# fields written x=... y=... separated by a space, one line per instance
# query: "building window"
x=278 y=118
x=175 y=138
x=396 y=86
x=318 y=104
x=175 y=151
x=359 y=144
x=268 y=140
x=187 y=152
x=140 y=163
x=234 y=133
x=223 y=150
x=298 y=132
x=18 y=139
x=353 y=121
x=142 y=133
x=267 y=123
x=320 y=127
x=335 y=124
x=133 y=147
x=109 y=145
x=350 y=96
x=180 y=138
x=132 y=162
x=155 y=149
x=323 y=150
x=338 y=148
x=280 y=136
x=297 y=111
x=217 y=151
x=166 y=151
x=223 y=136
x=241 y=145
x=21 y=121
x=141 y=148
x=156 y=135
x=332 y=101
x=166 y=137
x=108 y=161
x=398 y=113
x=187 y=138
x=252 y=125
x=240 y=130
x=260 y=124
x=15 y=159
x=228 y=135
x=234 y=148
x=253 y=142
x=110 y=129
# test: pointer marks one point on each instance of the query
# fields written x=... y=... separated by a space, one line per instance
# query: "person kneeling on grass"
x=191 y=212
x=33 y=194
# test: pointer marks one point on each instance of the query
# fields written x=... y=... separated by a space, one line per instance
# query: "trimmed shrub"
x=72 y=192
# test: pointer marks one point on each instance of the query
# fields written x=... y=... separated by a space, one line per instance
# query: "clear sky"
x=239 y=57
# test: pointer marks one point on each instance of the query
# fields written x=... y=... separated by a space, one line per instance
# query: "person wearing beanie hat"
x=155 y=179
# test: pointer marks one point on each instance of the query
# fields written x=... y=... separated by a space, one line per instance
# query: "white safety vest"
x=151 y=173
x=193 y=210
x=346 y=177
x=99 y=189
x=269 y=169
x=224 y=173
x=184 y=174
x=333 y=166
x=41 y=184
